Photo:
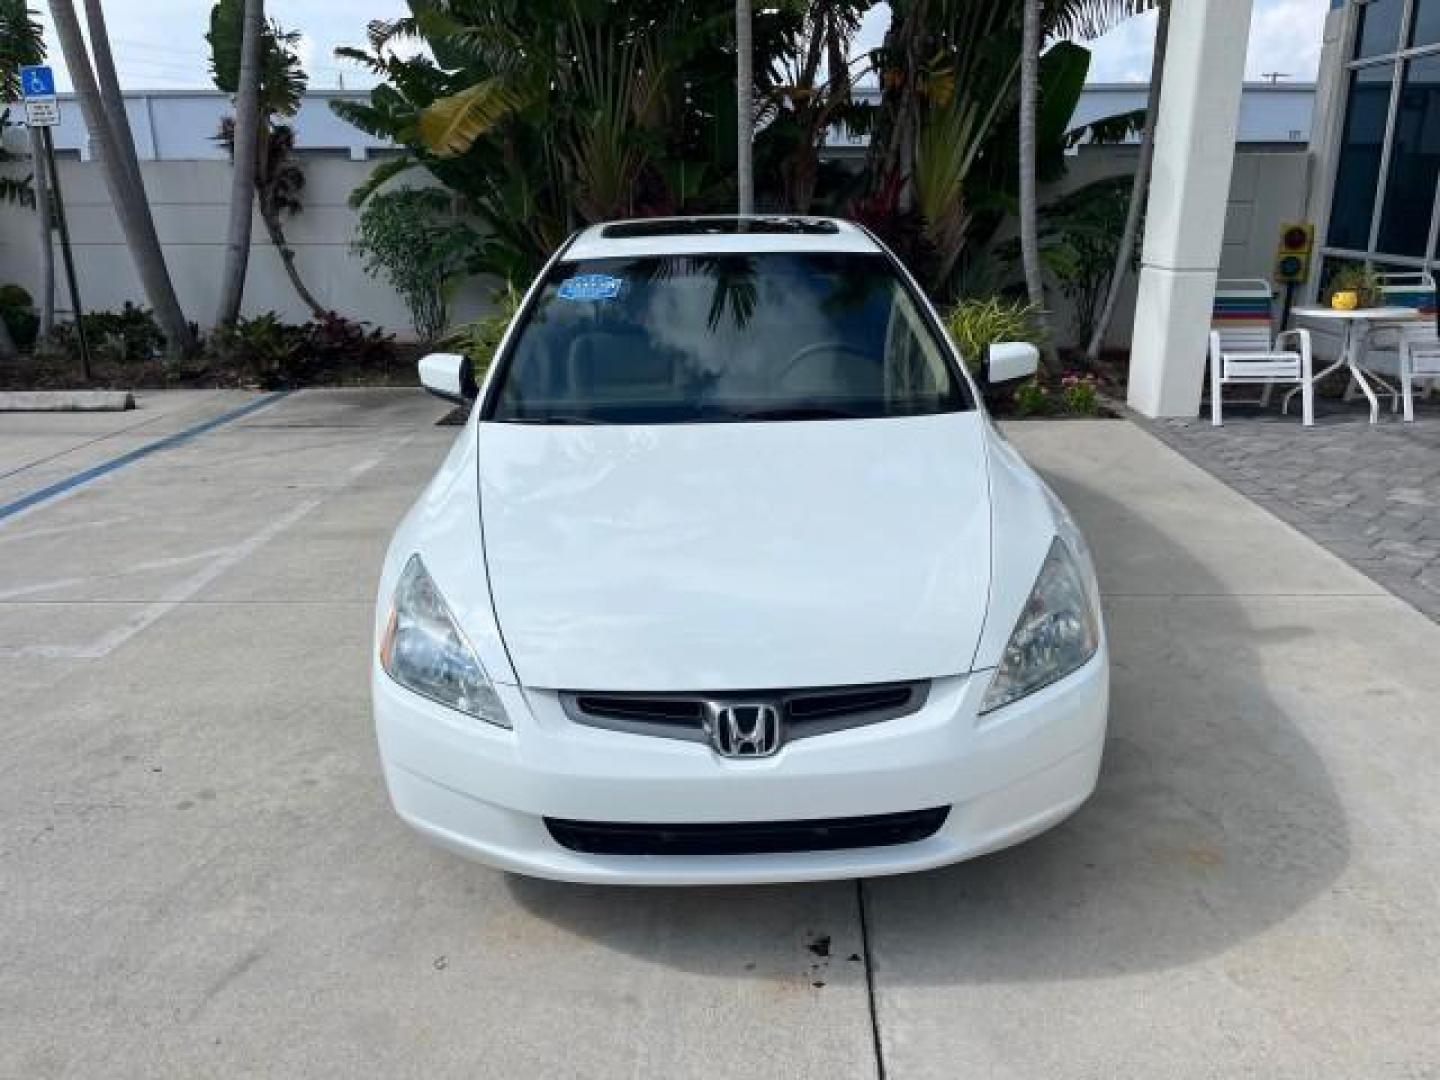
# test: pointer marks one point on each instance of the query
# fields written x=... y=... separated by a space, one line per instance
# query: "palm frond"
x=1091 y=19
x=376 y=65
x=381 y=32
x=1108 y=130
x=450 y=126
x=379 y=176
x=21 y=43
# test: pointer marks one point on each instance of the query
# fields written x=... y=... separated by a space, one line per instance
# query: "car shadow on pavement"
x=1213 y=820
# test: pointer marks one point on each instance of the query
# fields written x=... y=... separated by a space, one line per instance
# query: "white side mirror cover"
x=1010 y=360
x=447 y=375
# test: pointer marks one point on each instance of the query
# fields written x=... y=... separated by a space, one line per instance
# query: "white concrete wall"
x=1269 y=113
x=189 y=200
x=1266 y=189
x=180 y=125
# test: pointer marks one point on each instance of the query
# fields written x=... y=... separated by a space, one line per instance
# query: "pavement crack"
x=875 y=1040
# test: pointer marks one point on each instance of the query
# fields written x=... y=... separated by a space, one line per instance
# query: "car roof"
x=718 y=236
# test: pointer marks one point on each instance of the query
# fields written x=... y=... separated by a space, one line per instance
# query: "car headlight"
x=423 y=650
x=1058 y=630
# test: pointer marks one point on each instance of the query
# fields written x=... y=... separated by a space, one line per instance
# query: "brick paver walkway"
x=1370 y=495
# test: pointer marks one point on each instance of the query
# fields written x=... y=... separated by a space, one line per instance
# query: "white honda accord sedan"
x=730 y=578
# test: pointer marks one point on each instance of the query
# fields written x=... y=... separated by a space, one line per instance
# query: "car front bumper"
x=484 y=791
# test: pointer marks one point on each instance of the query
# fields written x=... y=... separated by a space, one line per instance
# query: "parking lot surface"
x=200 y=874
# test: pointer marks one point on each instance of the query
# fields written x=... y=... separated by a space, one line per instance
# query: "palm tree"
x=129 y=201
x=1138 y=193
x=111 y=96
x=1029 y=205
x=1078 y=18
x=276 y=176
x=246 y=150
x=744 y=107
x=813 y=92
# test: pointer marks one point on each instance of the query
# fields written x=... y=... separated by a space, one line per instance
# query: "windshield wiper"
x=558 y=420
x=797 y=412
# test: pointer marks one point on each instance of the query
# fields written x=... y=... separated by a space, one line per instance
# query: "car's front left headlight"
x=423 y=650
x=1058 y=630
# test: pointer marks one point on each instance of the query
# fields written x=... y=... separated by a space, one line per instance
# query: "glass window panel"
x=1414 y=161
x=1360 y=145
x=1425 y=29
x=710 y=338
x=1379 y=31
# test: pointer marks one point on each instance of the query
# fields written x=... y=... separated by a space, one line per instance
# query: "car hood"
x=737 y=556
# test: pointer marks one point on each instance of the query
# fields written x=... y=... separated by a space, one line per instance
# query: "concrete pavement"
x=200 y=875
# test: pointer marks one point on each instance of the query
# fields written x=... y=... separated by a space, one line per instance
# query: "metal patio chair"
x=1243 y=348
x=1409 y=354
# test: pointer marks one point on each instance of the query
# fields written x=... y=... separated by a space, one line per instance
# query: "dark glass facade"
x=1387 y=167
x=1414 y=161
x=1366 y=112
x=1379 y=30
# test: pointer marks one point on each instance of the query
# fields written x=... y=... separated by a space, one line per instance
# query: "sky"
x=160 y=44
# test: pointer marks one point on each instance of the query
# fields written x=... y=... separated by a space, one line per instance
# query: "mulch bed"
x=63 y=373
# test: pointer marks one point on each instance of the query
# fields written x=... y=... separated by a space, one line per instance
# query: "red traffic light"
x=1295 y=238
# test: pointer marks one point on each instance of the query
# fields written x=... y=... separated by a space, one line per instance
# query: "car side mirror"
x=449 y=376
x=1010 y=360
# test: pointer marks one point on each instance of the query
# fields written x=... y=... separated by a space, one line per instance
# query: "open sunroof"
x=718 y=226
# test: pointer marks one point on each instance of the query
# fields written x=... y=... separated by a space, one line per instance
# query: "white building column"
x=1185 y=216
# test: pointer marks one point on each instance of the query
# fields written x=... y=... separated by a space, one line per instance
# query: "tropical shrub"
x=1031 y=399
x=278 y=355
x=547 y=114
x=272 y=352
x=479 y=339
x=978 y=323
x=1080 y=394
x=131 y=335
x=336 y=342
x=414 y=239
x=1080 y=236
x=17 y=309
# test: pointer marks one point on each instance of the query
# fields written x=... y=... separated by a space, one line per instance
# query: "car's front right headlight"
x=423 y=650
x=1057 y=633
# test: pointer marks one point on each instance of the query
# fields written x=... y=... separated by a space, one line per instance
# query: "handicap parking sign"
x=37 y=81
x=37 y=88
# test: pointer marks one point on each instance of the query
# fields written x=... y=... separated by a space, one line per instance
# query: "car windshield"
x=715 y=338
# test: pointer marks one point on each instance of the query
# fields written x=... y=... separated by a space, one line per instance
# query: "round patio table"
x=1357 y=325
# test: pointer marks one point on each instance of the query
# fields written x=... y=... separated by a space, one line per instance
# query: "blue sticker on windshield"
x=590 y=287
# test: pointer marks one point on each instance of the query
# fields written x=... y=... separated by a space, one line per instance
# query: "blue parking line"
x=104 y=468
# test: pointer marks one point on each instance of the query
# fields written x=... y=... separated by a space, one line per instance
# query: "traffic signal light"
x=1292 y=258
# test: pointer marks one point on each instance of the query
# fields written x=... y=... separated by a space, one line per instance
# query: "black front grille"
x=807 y=712
x=805 y=708
x=747 y=837
x=679 y=712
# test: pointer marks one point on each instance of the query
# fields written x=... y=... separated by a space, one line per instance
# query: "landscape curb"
x=66 y=400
